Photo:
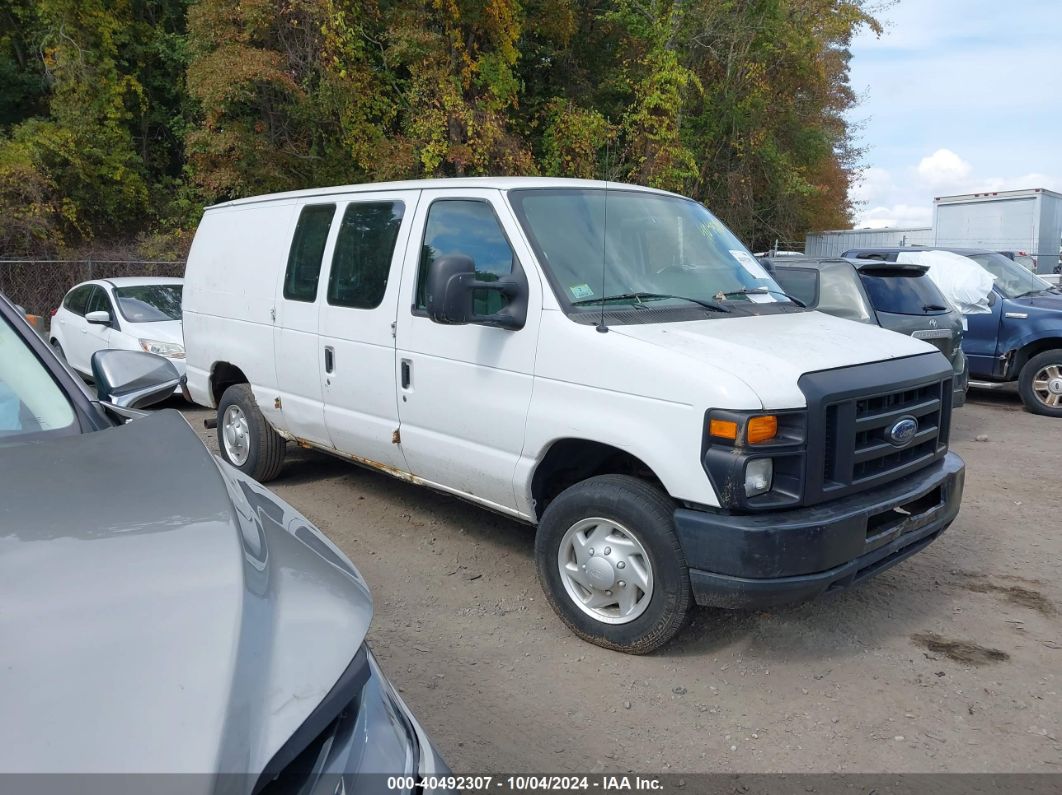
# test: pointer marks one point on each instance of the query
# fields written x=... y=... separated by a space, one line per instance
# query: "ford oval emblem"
x=901 y=432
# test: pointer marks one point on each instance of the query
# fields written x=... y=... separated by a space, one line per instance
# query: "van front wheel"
x=611 y=564
x=246 y=440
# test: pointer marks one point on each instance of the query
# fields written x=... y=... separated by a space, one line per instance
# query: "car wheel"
x=1040 y=383
x=245 y=437
x=611 y=565
x=59 y=351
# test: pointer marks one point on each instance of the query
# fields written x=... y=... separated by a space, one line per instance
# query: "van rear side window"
x=364 y=250
x=307 y=249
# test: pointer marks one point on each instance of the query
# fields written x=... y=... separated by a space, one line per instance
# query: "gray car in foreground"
x=162 y=613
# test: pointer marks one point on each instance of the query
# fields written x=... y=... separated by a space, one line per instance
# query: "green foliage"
x=119 y=119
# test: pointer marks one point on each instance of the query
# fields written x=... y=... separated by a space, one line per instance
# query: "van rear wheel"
x=1040 y=383
x=611 y=565
x=246 y=440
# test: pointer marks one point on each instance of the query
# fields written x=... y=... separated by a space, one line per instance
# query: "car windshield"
x=903 y=292
x=1011 y=278
x=657 y=250
x=149 y=303
x=31 y=403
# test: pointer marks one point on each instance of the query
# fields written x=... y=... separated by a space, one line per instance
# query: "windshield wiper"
x=639 y=297
x=762 y=291
x=934 y=308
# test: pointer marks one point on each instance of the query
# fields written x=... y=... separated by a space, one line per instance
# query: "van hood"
x=769 y=353
x=159 y=612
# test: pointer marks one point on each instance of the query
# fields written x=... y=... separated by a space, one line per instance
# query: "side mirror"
x=100 y=317
x=133 y=379
x=451 y=287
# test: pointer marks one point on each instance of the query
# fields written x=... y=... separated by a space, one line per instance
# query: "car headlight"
x=171 y=350
x=756 y=460
x=360 y=728
x=759 y=474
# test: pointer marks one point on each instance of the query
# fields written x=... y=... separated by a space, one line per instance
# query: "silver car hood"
x=159 y=612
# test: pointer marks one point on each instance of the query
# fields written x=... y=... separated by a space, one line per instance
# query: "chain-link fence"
x=38 y=286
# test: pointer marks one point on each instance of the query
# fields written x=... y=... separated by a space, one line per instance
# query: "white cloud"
x=872 y=183
x=943 y=168
x=905 y=199
x=897 y=216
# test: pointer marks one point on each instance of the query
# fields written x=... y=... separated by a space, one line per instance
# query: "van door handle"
x=330 y=358
x=407 y=373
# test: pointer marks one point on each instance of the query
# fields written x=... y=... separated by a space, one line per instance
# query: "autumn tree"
x=118 y=116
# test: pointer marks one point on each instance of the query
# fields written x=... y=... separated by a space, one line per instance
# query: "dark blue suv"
x=1021 y=339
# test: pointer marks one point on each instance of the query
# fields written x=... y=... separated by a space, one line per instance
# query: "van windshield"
x=658 y=251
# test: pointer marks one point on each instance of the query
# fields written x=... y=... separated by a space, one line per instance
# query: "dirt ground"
x=951 y=661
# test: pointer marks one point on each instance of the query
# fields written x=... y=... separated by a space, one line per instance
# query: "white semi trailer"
x=1027 y=221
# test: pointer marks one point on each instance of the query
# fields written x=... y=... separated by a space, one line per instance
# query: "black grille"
x=848 y=449
x=873 y=455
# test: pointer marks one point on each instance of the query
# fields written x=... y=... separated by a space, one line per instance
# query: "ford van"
x=606 y=362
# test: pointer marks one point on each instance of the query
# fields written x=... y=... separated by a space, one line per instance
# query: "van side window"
x=462 y=226
x=364 y=250
x=307 y=249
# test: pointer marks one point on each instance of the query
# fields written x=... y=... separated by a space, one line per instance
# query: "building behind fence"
x=38 y=286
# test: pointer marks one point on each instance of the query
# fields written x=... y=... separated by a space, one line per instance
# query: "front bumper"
x=767 y=559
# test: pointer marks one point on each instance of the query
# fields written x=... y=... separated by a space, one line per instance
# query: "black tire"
x=1033 y=402
x=59 y=351
x=265 y=447
x=647 y=513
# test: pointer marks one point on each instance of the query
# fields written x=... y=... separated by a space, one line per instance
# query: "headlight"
x=759 y=474
x=754 y=460
x=359 y=728
x=171 y=350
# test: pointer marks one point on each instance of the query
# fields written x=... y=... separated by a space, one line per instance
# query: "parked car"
x=639 y=389
x=163 y=612
x=1020 y=338
x=140 y=313
x=899 y=297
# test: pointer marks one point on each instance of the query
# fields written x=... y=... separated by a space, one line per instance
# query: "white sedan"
x=127 y=313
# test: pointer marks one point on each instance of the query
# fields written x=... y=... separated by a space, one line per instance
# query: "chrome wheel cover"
x=1047 y=385
x=235 y=435
x=605 y=570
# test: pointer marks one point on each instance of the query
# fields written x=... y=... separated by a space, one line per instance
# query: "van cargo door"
x=296 y=348
x=356 y=334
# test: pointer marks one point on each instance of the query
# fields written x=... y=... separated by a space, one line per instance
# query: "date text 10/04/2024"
x=599 y=783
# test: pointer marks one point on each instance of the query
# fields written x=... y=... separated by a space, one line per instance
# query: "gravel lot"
x=950 y=661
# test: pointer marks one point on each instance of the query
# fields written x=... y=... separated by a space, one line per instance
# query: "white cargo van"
x=605 y=361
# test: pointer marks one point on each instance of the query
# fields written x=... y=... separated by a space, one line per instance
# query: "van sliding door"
x=298 y=303
x=356 y=347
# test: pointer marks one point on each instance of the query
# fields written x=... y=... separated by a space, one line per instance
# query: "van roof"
x=496 y=183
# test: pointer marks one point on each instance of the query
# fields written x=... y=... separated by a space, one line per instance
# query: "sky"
x=957 y=96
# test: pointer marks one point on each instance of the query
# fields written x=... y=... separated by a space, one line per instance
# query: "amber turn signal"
x=762 y=429
x=723 y=429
